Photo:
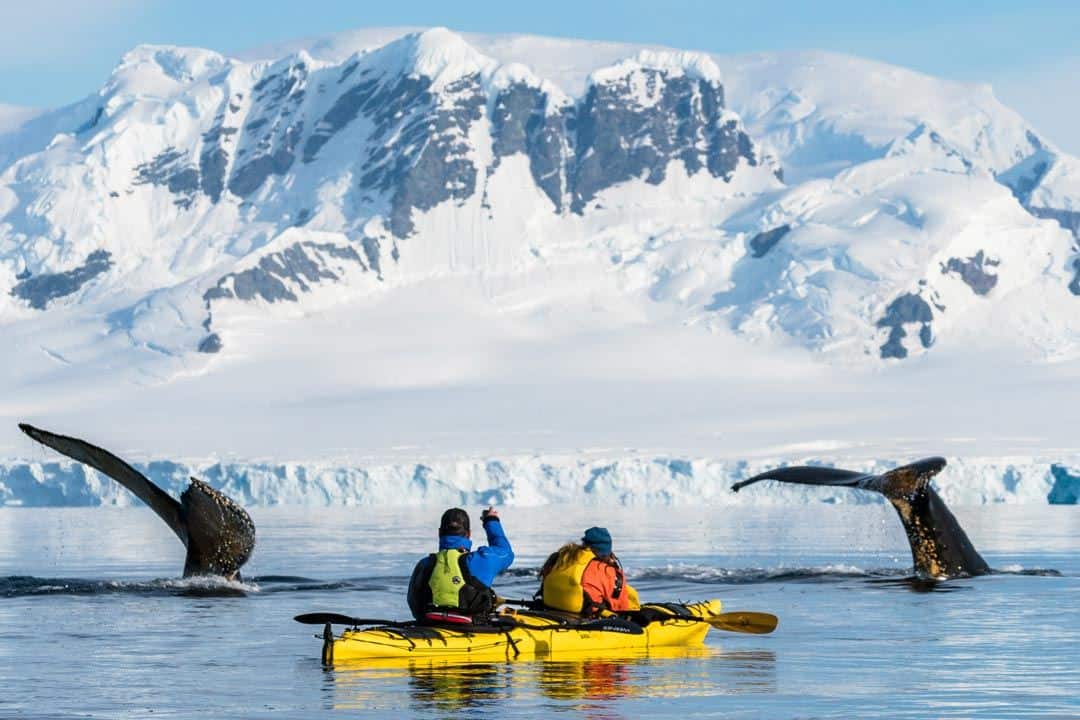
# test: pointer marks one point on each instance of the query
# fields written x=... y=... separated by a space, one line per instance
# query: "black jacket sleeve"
x=419 y=592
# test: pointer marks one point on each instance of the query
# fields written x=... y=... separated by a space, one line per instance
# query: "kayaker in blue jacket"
x=454 y=584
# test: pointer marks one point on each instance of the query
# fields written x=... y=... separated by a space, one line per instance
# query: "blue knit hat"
x=599 y=539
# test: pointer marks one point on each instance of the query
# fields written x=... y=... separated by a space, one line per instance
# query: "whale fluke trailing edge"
x=218 y=534
x=939 y=546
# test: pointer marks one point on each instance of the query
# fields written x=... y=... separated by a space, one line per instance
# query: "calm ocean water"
x=95 y=624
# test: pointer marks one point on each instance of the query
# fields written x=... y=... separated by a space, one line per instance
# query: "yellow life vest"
x=562 y=588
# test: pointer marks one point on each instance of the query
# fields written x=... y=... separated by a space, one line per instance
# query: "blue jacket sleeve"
x=488 y=561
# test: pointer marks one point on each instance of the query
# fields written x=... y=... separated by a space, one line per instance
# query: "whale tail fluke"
x=899 y=482
x=907 y=481
x=167 y=508
x=218 y=534
x=939 y=546
x=807 y=475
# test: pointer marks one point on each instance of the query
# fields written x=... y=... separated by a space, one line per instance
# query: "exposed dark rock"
x=171 y=169
x=1023 y=186
x=212 y=164
x=349 y=70
x=550 y=153
x=429 y=163
x=973 y=272
x=523 y=122
x=764 y=241
x=1068 y=219
x=269 y=143
x=1022 y=189
x=214 y=159
x=288 y=84
x=893 y=347
x=418 y=153
x=371 y=251
x=92 y=122
x=341 y=252
x=906 y=309
x=617 y=140
x=40 y=290
x=514 y=107
x=926 y=335
x=343 y=112
x=270 y=280
x=249 y=177
x=210 y=344
x=925 y=130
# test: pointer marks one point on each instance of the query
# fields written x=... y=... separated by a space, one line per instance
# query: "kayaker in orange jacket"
x=586 y=578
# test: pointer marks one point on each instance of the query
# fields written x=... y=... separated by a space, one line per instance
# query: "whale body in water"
x=939 y=546
x=218 y=534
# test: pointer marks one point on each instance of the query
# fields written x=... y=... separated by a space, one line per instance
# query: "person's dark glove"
x=489 y=514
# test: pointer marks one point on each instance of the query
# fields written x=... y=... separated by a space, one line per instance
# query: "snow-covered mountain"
x=403 y=211
x=192 y=183
x=252 y=182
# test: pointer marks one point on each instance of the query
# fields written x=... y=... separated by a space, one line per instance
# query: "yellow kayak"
x=524 y=634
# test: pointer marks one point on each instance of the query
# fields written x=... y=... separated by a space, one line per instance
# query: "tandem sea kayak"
x=512 y=634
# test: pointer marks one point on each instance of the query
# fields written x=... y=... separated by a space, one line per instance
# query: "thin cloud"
x=1048 y=97
x=47 y=28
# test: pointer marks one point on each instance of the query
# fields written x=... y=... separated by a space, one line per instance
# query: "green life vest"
x=454 y=588
x=447 y=579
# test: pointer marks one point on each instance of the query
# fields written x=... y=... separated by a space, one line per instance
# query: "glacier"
x=529 y=480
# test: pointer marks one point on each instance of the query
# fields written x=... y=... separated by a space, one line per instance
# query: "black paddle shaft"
x=322 y=618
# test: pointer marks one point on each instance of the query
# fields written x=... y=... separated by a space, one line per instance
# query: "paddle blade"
x=322 y=618
x=756 y=623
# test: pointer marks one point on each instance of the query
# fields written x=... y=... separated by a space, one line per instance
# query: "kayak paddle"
x=757 y=623
x=337 y=619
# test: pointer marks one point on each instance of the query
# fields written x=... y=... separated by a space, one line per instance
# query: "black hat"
x=455 y=521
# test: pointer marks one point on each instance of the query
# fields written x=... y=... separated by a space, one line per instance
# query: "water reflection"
x=593 y=686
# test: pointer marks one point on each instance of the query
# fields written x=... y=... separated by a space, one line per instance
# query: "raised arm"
x=488 y=561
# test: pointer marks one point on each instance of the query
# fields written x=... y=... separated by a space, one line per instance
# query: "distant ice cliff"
x=531 y=480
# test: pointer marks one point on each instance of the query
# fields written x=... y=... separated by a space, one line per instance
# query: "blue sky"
x=56 y=51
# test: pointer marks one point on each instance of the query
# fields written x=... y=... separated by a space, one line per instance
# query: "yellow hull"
x=533 y=637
